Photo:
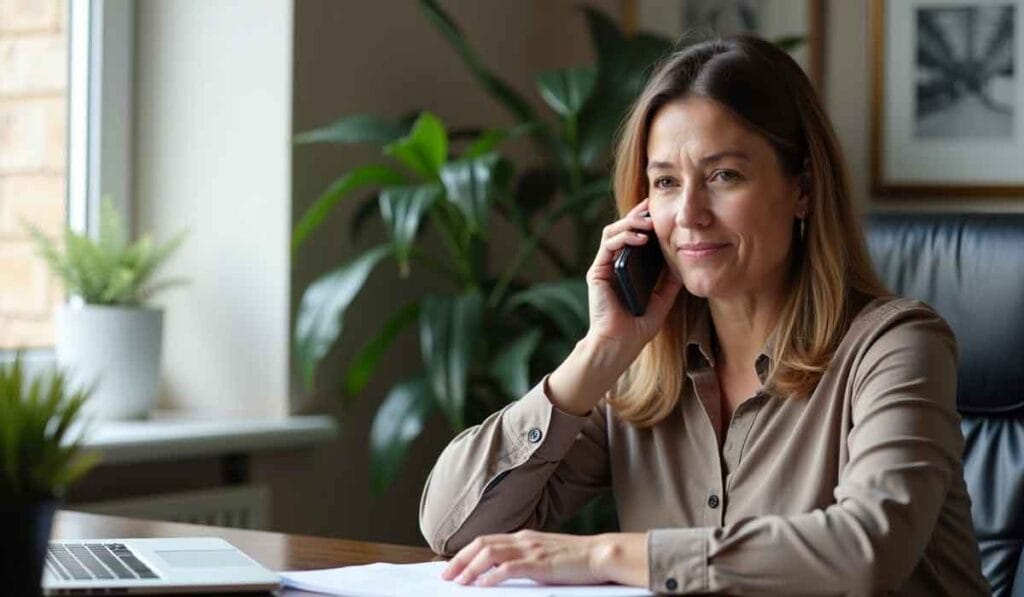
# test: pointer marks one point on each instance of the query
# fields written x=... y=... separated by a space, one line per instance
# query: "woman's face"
x=722 y=207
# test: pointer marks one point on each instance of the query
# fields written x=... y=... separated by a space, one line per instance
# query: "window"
x=65 y=126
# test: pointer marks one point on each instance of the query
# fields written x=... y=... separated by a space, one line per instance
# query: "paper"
x=424 y=580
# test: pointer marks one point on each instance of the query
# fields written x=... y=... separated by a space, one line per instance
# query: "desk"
x=276 y=551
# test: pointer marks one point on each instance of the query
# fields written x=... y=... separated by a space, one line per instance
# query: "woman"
x=775 y=423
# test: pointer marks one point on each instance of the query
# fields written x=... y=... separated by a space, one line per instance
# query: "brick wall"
x=33 y=92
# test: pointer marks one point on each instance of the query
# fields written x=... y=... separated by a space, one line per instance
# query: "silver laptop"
x=152 y=566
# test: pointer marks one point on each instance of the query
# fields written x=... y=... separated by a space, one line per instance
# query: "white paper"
x=424 y=580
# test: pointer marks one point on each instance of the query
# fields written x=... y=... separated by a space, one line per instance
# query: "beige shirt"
x=856 y=490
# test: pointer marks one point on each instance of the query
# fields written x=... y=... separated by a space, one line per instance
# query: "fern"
x=40 y=453
x=109 y=270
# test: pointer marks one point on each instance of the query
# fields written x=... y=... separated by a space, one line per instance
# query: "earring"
x=802 y=223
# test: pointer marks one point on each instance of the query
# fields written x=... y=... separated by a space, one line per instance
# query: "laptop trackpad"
x=203 y=558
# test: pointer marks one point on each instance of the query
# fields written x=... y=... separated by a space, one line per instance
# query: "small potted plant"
x=40 y=457
x=106 y=332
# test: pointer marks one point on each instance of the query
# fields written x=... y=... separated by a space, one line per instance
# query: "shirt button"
x=713 y=501
x=671 y=584
x=534 y=435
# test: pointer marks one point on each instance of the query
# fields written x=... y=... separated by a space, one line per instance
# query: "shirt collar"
x=700 y=348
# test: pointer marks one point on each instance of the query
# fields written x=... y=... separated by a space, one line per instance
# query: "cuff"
x=535 y=425
x=677 y=560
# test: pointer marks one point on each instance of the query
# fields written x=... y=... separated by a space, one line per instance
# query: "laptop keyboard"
x=95 y=561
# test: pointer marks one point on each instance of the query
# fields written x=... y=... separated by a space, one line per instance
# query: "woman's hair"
x=768 y=91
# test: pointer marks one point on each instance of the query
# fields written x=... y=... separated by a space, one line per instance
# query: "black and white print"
x=964 y=71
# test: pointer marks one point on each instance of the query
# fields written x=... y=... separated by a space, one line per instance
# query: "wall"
x=33 y=101
x=212 y=143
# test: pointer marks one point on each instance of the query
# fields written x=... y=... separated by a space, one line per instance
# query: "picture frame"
x=947 y=98
x=774 y=20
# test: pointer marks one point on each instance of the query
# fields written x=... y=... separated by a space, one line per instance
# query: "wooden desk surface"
x=276 y=551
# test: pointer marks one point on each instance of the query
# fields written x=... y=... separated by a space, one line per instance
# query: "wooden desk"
x=276 y=551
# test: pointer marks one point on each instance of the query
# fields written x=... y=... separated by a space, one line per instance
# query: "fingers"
x=623 y=232
x=484 y=560
x=506 y=570
x=477 y=557
x=637 y=218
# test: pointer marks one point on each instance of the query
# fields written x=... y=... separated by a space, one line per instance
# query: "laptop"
x=152 y=566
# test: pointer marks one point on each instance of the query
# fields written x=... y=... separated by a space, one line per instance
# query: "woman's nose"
x=691 y=207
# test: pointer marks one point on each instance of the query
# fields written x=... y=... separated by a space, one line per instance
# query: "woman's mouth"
x=701 y=250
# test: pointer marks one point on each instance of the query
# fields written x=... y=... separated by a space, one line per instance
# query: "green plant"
x=39 y=458
x=108 y=271
x=453 y=183
x=531 y=324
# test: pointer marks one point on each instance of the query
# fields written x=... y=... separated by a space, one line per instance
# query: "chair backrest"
x=970 y=268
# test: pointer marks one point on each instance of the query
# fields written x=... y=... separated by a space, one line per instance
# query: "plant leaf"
x=789 y=42
x=623 y=65
x=491 y=138
x=563 y=302
x=471 y=184
x=321 y=315
x=491 y=82
x=449 y=329
x=365 y=362
x=357 y=128
x=399 y=421
x=424 y=149
x=363 y=176
x=402 y=208
x=565 y=90
x=512 y=365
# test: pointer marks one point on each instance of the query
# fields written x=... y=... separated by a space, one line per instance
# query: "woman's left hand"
x=552 y=559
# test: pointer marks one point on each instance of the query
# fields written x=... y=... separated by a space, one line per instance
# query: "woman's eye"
x=726 y=176
x=660 y=182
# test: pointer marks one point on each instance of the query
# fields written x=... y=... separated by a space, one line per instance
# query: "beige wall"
x=212 y=129
x=33 y=70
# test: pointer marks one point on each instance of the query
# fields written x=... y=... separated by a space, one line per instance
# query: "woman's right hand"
x=616 y=336
x=610 y=322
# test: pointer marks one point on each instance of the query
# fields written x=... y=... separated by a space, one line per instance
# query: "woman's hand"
x=610 y=322
x=615 y=337
x=552 y=559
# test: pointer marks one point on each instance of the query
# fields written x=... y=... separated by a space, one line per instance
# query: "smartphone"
x=637 y=269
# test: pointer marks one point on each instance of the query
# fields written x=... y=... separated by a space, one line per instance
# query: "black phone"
x=637 y=269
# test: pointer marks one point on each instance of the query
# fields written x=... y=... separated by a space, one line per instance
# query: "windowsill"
x=172 y=437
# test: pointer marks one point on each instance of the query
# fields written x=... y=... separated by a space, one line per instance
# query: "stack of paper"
x=424 y=580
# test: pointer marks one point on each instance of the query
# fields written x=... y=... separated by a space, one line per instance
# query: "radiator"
x=242 y=507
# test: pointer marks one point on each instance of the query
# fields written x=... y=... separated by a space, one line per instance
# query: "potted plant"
x=105 y=331
x=40 y=457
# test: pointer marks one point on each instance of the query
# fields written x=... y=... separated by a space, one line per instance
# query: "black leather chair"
x=970 y=268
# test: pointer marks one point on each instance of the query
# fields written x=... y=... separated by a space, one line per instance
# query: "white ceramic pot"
x=119 y=349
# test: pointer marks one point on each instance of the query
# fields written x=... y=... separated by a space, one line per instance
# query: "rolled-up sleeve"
x=904 y=446
x=528 y=465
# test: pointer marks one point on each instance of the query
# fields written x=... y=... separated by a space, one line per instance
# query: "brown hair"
x=762 y=85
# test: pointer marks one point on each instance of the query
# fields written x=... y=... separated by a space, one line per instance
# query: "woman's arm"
x=526 y=466
x=904 y=446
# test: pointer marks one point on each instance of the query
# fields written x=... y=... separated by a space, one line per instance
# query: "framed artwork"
x=790 y=22
x=948 y=98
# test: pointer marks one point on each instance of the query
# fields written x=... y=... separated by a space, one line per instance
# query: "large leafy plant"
x=450 y=185
x=40 y=445
x=109 y=270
